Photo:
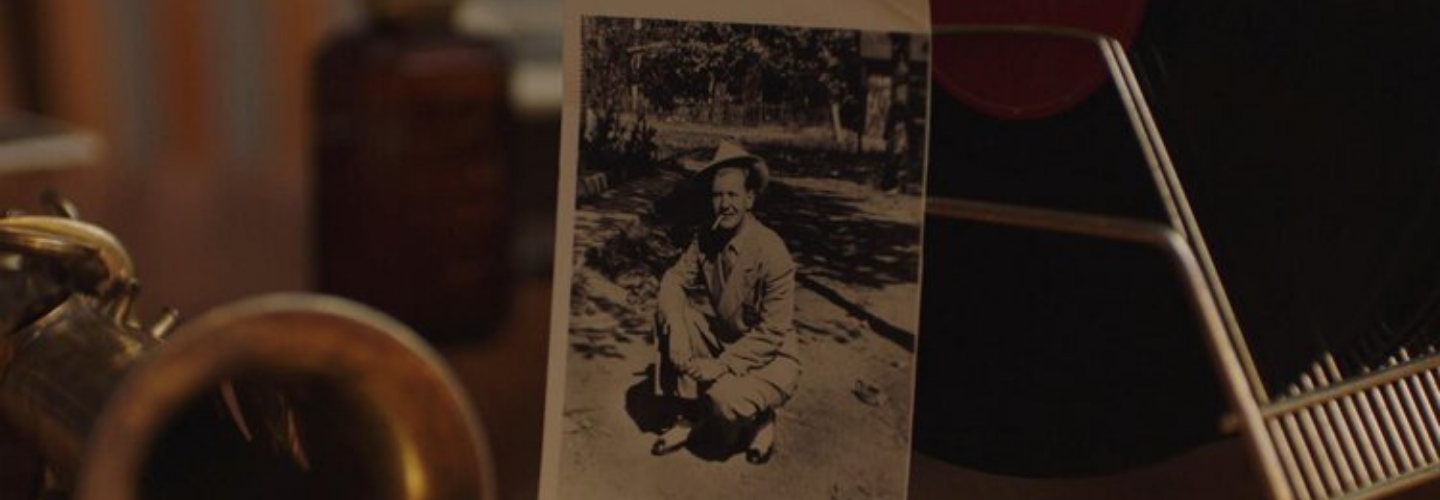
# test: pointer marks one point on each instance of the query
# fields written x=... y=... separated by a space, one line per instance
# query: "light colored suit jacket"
x=750 y=284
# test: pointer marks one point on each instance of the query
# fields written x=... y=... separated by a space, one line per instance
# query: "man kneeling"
x=724 y=322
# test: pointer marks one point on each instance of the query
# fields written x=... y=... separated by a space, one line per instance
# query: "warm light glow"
x=416 y=483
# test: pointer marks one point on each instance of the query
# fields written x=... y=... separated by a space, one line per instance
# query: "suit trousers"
x=732 y=397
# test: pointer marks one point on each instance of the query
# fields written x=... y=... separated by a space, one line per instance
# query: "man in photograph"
x=725 y=312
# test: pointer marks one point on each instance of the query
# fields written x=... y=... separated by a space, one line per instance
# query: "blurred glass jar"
x=412 y=199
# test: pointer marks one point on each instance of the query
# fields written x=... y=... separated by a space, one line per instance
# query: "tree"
x=714 y=67
x=897 y=117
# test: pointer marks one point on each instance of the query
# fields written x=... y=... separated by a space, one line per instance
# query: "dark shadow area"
x=653 y=414
x=342 y=442
x=806 y=327
x=868 y=169
x=23 y=470
x=827 y=234
x=1085 y=159
x=605 y=321
x=585 y=299
x=708 y=443
x=886 y=330
x=1049 y=355
x=635 y=250
x=591 y=347
x=831 y=238
x=1306 y=135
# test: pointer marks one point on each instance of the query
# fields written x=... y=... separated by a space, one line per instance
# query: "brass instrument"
x=282 y=396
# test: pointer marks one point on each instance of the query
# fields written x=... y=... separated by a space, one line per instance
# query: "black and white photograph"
x=744 y=298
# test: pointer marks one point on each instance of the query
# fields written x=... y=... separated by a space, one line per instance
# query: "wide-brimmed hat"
x=730 y=153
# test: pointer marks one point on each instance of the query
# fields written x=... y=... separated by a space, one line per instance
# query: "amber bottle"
x=411 y=198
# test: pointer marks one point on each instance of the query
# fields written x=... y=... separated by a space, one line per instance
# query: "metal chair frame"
x=1364 y=437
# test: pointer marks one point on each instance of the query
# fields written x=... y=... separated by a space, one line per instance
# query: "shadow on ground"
x=833 y=228
x=828 y=234
x=653 y=414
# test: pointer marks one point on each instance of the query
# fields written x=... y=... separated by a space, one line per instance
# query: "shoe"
x=673 y=439
x=759 y=457
x=762 y=446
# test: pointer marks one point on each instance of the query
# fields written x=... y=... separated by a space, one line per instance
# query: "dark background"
x=1305 y=134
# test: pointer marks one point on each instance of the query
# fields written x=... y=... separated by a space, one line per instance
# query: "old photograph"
x=744 y=296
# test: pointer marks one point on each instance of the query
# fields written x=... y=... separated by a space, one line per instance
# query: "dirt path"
x=845 y=433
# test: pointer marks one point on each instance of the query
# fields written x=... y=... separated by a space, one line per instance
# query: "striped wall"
x=187 y=83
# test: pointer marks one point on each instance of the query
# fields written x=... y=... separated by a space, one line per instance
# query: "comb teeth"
x=1348 y=436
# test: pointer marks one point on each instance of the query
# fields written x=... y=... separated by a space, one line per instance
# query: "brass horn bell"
x=282 y=396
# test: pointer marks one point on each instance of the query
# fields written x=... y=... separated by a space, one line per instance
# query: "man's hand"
x=706 y=370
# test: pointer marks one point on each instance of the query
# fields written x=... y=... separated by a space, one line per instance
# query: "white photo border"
x=903 y=16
